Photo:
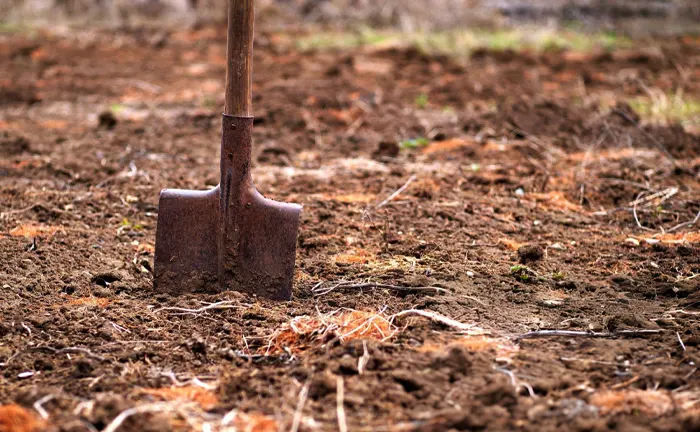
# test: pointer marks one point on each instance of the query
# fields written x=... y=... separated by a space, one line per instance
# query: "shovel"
x=230 y=237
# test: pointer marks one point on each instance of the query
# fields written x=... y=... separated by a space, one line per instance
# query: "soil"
x=535 y=198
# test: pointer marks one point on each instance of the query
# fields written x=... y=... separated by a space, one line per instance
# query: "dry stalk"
x=116 y=423
x=572 y=333
x=228 y=304
x=433 y=316
x=320 y=289
x=303 y=394
x=396 y=193
x=517 y=383
x=634 y=213
x=39 y=405
x=340 y=408
x=54 y=351
x=685 y=224
x=362 y=361
x=678 y=335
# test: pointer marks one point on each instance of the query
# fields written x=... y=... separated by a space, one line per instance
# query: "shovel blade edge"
x=186 y=242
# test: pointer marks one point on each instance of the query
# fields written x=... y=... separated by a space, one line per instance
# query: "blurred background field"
x=633 y=16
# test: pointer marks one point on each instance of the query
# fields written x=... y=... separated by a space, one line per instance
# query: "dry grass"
x=554 y=200
x=667 y=238
x=206 y=399
x=359 y=256
x=351 y=198
x=14 y=418
x=254 y=423
x=303 y=331
x=91 y=301
x=501 y=348
x=30 y=231
x=446 y=146
x=690 y=237
x=510 y=244
x=614 y=154
x=652 y=403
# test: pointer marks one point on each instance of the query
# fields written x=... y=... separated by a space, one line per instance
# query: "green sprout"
x=415 y=143
x=558 y=275
x=422 y=101
x=522 y=273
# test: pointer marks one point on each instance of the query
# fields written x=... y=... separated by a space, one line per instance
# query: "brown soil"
x=531 y=160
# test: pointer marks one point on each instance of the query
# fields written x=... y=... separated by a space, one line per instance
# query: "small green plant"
x=558 y=275
x=422 y=101
x=524 y=273
x=116 y=108
x=127 y=225
x=415 y=143
x=659 y=210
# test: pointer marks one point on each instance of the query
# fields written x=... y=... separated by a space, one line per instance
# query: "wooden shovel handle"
x=239 y=58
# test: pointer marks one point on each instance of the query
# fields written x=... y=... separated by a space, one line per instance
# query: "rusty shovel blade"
x=228 y=238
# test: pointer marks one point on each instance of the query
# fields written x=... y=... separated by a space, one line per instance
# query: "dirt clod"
x=530 y=253
x=107 y=120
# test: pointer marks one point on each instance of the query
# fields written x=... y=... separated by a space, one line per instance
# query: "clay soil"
x=535 y=198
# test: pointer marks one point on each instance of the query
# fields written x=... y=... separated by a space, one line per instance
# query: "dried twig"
x=303 y=394
x=69 y=350
x=228 y=304
x=678 y=335
x=516 y=383
x=143 y=409
x=39 y=405
x=397 y=193
x=6 y=214
x=595 y=362
x=434 y=317
x=651 y=137
x=320 y=289
x=685 y=224
x=362 y=361
x=639 y=202
x=340 y=409
x=634 y=212
x=683 y=312
x=624 y=384
x=572 y=333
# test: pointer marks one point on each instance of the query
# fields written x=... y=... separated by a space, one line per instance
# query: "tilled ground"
x=533 y=197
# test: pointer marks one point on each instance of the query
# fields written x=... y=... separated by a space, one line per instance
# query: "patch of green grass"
x=668 y=108
x=558 y=275
x=340 y=40
x=413 y=144
x=209 y=103
x=15 y=28
x=463 y=42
